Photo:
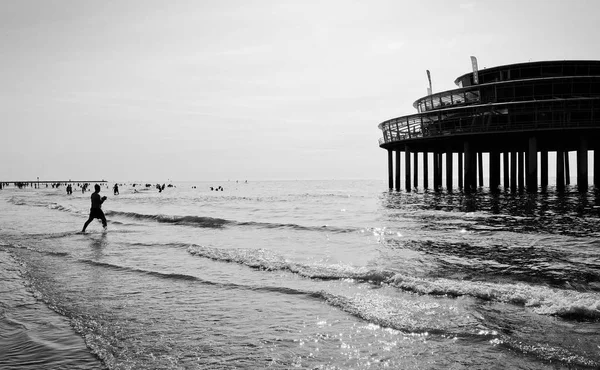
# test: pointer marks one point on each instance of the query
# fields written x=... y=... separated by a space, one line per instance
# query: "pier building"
x=517 y=114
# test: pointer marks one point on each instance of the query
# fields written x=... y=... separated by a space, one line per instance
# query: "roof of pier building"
x=554 y=99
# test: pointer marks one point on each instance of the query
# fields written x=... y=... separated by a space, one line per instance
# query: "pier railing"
x=500 y=117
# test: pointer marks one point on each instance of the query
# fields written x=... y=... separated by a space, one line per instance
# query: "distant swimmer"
x=96 y=209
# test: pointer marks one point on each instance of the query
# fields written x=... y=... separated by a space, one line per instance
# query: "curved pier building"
x=518 y=112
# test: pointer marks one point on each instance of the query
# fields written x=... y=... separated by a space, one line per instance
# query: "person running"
x=96 y=210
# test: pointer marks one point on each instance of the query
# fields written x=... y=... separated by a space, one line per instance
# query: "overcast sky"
x=245 y=90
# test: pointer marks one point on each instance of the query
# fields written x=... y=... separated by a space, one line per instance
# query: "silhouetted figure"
x=96 y=209
x=116 y=189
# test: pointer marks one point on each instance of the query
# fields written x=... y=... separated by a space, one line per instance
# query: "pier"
x=518 y=115
x=37 y=183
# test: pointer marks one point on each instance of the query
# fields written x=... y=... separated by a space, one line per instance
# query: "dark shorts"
x=97 y=213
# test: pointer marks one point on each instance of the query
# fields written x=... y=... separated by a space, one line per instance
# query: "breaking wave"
x=541 y=300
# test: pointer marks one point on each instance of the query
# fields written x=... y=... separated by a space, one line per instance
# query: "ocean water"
x=299 y=274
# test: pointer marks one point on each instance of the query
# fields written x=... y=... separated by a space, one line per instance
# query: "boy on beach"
x=96 y=210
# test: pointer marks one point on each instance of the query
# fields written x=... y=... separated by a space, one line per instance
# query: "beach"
x=340 y=274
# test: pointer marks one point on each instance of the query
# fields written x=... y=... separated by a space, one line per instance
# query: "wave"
x=19 y=201
x=541 y=300
x=189 y=220
x=33 y=249
x=548 y=353
x=179 y=276
x=391 y=312
x=216 y=223
x=198 y=221
x=541 y=263
x=268 y=225
x=264 y=259
x=62 y=208
x=58 y=235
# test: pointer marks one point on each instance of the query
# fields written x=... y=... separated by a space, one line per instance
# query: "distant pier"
x=37 y=183
x=517 y=114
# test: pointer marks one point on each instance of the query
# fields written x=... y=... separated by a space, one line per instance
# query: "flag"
x=475 y=71
x=429 y=90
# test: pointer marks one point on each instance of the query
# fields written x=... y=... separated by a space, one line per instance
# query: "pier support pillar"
x=449 y=174
x=521 y=170
x=425 y=170
x=513 y=172
x=470 y=168
x=494 y=170
x=505 y=171
x=397 y=170
x=582 y=165
x=439 y=171
x=390 y=169
x=480 y=167
x=532 y=183
x=460 y=170
x=567 y=170
x=416 y=170
x=597 y=169
x=407 y=169
x=437 y=179
x=544 y=169
x=436 y=173
x=560 y=170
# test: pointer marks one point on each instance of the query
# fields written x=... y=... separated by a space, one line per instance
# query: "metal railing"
x=514 y=90
x=489 y=118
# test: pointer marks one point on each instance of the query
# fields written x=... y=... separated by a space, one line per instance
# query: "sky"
x=184 y=90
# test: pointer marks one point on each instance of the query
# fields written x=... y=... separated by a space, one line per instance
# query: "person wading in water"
x=96 y=210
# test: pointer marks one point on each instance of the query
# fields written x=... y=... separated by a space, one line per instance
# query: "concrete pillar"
x=494 y=170
x=407 y=169
x=582 y=165
x=397 y=170
x=449 y=171
x=470 y=168
x=513 y=172
x=560 y=170
x=439 y=169
x=597 y=169
x=505 y=170
x=436 y=173
x=480 y=167
x=532 y=183
x=437 y=179
x=390 y=169
x=425 y=170
x=416 y=170
x=567 y=171
x=460 y=170
x=521 y=170
x=544 y=169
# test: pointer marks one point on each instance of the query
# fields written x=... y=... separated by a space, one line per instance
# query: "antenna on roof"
x=475 y=71
x=429 y=89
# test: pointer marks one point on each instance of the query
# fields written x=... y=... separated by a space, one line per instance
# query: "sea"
x=299 y=274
